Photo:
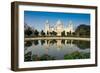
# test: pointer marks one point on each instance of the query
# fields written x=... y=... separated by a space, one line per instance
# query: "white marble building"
x=59 y=27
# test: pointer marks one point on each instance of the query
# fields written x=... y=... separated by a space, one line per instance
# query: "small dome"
x=59 y=22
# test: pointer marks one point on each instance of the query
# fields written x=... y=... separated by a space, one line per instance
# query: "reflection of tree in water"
x=68 y=42
x=79 y=43
x=63 y=41
x=47 y=41
x=35 y=42
x=74 y=55
x=82 y=44
x=42 y=42
x=53 y=41
x=28 y=43
x=27 y=57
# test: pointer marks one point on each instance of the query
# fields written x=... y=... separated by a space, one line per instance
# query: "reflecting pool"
x=41 y=50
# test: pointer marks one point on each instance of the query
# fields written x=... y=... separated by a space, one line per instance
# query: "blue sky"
x=37 y=19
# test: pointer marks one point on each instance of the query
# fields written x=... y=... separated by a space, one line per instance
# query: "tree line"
x=81 y=31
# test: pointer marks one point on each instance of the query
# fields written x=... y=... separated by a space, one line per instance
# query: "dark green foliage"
x=28 y=43
x=77 y=55
x=36 y=33
x=42 y=42
x=53 y=41
x=48 y=33
x=83 y=31
x=63 y=33
x=35 y=42
x=73 y=34
x=42 y=33
x=35 y=58
x=68 y=42
x=82 y=44
x=46 y=57
x=53 y=33
x=27 y=57
x=28 y=32
x=69 y=34
x=63 y=41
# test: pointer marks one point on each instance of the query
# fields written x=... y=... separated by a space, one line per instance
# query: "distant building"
x=59 y=27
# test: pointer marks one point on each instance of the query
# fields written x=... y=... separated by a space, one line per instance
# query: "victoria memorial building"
x=59 y=27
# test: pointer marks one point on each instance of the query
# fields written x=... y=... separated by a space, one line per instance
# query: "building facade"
x=59 y=27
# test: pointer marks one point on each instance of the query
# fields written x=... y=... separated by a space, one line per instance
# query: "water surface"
x=40 y=50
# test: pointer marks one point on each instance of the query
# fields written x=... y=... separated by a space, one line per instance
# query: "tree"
x=50 y=33
x=42 y=33
x=69 y=34
x=36 y=42
x=28 y=32
x=73 y=34
x=63 y=33
x=47 y=33
x=36 y=33
x=83 y=30
x=54 y=33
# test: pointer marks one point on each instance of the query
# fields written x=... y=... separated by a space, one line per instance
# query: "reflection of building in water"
x=59 y=44
x=46 y=45
x=61 y=47
x=69 y=42
x=59 y=27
